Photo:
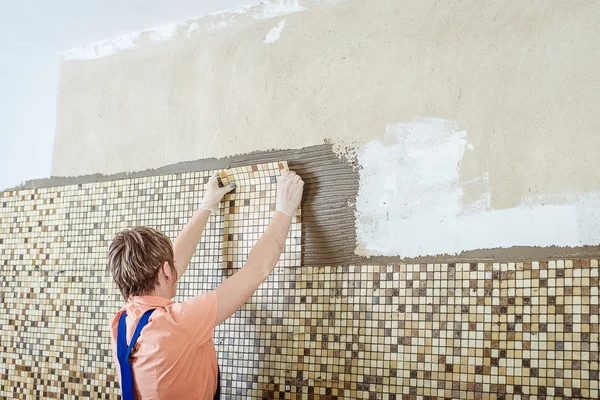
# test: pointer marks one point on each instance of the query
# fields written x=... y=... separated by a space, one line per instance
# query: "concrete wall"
x=519 y=81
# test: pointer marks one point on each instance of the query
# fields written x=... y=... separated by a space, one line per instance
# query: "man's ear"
x=167 y=271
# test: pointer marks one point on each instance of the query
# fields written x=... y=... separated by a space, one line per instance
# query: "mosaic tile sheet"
x=248 y=210
x=416 y=331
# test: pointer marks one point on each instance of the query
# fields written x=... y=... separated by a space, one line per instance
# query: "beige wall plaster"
x=521 y=79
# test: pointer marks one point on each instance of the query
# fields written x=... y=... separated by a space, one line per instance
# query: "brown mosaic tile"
x=416 y=331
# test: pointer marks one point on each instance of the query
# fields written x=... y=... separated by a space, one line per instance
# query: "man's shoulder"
x=207 y=299
x=113 y=322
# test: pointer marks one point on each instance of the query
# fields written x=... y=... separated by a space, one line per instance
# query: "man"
x=174 y=357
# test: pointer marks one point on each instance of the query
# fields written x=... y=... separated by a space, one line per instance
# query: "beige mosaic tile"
x=416 y=331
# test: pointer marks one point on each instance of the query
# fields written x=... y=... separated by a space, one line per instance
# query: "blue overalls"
x=123 y=352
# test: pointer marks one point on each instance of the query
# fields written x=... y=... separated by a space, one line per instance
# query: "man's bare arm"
x=187 y=241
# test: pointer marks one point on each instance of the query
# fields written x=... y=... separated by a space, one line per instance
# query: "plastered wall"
x=519 y=80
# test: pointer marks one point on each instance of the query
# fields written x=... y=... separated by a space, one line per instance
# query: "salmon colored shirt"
x=174 y=357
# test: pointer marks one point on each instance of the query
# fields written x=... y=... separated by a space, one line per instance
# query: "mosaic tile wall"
x=416 y=331
x=57 y=297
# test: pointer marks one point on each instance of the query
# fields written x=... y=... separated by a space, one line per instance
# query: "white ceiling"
x=42 y=27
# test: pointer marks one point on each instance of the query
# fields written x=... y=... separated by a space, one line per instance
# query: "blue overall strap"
x=123 y=352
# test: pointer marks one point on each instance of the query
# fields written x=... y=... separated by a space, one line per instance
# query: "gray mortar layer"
x=328 y=218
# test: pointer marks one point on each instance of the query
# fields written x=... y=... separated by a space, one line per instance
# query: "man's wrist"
x=282 y=214
x=204 y=209
x=287 y=208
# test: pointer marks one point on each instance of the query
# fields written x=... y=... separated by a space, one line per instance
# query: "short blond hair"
x=135 y=257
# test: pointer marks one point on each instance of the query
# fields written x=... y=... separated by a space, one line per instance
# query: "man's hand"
x=289 y=193
x=214 y=194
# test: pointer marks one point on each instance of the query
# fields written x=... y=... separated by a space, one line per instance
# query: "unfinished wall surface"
x=411 y=201
x=521 y=81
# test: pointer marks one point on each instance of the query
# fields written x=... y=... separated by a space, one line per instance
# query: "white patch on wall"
x=100 y=49
x=213 y=21
x=274 y=33
x=277 y=8
x=221 y=23
x=130 y=41
x=193 y=27
x=410 y=201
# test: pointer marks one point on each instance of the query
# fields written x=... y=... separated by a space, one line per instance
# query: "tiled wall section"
x=419 y=331
x=56 y=295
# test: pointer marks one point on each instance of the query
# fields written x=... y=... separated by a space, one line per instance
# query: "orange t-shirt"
x=174 y=357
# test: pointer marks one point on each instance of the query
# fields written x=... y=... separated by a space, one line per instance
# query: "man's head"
x=141 y=262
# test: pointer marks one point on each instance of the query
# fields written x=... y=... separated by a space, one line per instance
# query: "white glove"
x=214 y=194
x=289 y=193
